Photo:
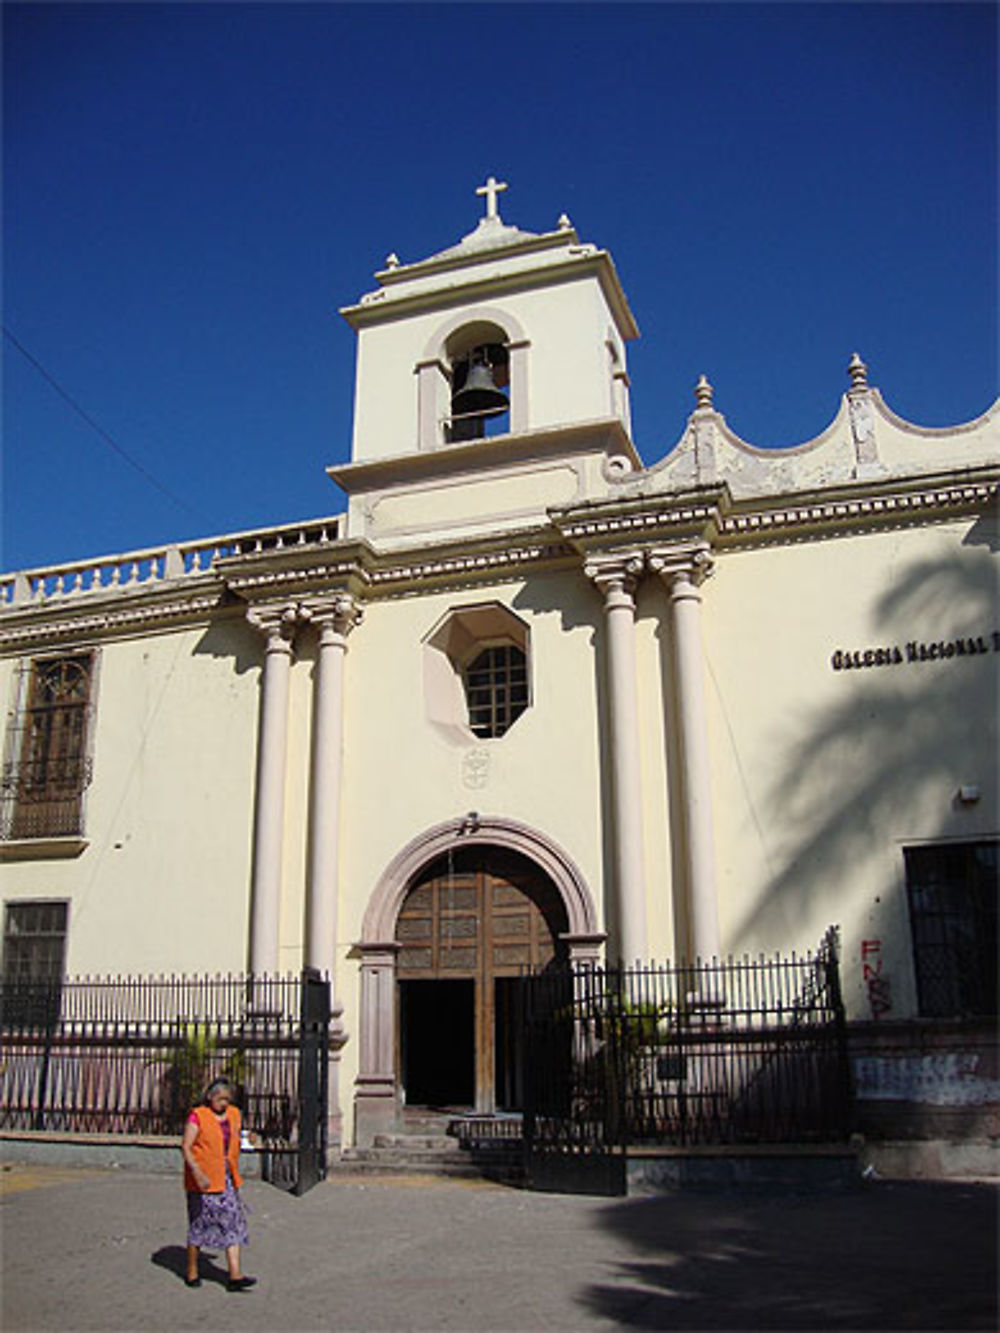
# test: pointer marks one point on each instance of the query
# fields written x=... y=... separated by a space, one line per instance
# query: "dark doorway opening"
x=437 y=1040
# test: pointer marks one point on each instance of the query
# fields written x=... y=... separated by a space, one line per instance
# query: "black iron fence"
x=729 y=1052
x=131 y=1056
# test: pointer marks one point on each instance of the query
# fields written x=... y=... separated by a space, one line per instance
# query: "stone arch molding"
x=477 y=314
x=386 y=902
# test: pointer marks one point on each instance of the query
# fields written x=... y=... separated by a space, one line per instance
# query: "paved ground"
x=103 y=1250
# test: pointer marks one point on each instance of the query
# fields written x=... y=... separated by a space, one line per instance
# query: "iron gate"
x=740 y=1052
x=573 y=1126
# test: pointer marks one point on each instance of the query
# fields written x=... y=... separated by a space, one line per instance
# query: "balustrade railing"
x=135 y=569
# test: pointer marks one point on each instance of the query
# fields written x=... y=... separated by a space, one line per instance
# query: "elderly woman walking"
x=216 y=1214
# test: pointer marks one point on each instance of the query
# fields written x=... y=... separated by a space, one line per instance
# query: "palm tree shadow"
x=891 y=1256
x=891 y=753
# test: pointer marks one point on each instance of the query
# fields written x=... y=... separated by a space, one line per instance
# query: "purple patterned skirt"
x=217 y=1220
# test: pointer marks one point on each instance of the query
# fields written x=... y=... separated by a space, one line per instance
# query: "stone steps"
x=434 y=1152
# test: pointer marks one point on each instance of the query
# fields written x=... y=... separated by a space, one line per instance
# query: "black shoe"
x=192 y=1282
x=240 y=1283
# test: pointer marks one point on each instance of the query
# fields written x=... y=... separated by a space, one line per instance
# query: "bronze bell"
x=479 y=393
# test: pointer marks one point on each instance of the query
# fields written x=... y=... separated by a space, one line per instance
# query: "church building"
x=525 y=698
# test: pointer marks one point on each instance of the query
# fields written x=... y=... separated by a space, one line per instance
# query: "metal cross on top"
x=491 y=189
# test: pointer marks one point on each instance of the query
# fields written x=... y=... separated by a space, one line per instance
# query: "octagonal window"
x=477 y=679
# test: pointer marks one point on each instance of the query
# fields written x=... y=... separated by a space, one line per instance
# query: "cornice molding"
x=39 y=625
x=471 y=564
x=579 y=261
x=709 y=517
x=470 y=460
x=863 y=512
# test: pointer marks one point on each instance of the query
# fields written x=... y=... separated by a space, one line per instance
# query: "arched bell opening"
x=475 y=919
x=478 y=362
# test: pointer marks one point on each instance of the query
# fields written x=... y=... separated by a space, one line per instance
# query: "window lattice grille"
x=34 y=940
x=952 y=890
x=496 y=689
x=48 y=767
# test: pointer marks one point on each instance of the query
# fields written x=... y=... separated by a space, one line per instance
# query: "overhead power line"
x=95 y=426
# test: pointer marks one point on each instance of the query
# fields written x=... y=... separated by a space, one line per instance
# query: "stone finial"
x=392 y=260
x=858 y=372
x=703 y=393
x=564 y=223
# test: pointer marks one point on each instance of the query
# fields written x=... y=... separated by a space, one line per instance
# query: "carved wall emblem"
x=476 y=768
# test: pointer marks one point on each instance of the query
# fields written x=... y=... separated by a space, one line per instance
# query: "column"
x=616 y=577
x=683 y=573
x=335 y=620
x=278 y=625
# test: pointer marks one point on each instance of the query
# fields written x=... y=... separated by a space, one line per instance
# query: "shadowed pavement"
x=103 y=1250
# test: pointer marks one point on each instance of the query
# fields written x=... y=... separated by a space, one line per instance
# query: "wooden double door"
x=475 y=920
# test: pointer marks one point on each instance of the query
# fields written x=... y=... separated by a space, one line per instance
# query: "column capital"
x=334 y=615
x=278 y=622
x=615 y=574
x=683 y=569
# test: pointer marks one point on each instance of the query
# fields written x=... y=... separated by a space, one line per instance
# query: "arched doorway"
x=474 y=919
x=377 y=1098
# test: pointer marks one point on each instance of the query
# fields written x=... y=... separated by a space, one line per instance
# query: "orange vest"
x=207 y=1151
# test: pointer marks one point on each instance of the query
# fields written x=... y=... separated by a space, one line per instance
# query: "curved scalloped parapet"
x=865 y=441
x=904 y=445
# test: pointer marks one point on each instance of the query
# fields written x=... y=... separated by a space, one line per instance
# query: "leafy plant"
x=191 y=1066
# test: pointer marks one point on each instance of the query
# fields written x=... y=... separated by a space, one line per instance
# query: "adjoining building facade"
x=527 y=698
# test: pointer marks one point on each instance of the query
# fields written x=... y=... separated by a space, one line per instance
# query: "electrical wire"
x=108 y=439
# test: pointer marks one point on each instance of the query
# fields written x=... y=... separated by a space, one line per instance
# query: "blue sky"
x=190 y=192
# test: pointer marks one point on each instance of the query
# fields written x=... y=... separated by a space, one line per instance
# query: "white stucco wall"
x=162 y=885
x=822 y=776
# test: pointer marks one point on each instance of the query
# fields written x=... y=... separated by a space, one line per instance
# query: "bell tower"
x=498 y=347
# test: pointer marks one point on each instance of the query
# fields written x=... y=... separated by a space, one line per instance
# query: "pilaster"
x=867 y=464
x=433 y=387
x=376 y=1103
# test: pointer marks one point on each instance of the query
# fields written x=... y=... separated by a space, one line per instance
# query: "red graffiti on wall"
x=877 y=983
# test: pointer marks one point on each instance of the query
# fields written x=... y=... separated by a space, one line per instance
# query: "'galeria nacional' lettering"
x=940 y=650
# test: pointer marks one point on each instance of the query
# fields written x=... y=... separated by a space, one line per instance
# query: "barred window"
x=34 y=949
x=952 y=891
x=34 y=941
x=48 y=767
x=496 y=689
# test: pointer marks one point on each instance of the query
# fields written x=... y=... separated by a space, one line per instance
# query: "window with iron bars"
x=952 y=892
x=48 y=766
x=496 y=689
x=34 y=951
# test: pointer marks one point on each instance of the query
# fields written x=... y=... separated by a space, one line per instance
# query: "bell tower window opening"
x=479 y=368
x=496 y=689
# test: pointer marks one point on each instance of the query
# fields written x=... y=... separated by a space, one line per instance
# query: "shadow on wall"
x=902 y=739
x=912 y=1255
x=234 y=638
